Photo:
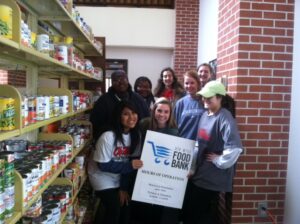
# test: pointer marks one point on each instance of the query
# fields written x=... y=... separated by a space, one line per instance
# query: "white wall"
x=292 y=214
x=208 y=30
x=142 y=61
x=138 y=27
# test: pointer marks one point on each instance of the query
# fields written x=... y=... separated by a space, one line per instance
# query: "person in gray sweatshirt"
x=219 y=147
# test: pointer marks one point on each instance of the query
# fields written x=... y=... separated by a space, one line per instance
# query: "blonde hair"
x=171 y=121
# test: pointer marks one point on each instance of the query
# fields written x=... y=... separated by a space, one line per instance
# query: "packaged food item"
x=7 y=111
x=6 y=21
x=43 y=43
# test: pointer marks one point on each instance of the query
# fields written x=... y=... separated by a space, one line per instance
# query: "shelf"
x=49 y=64
x=84 y=178
x=16 y=56
x=55 y=15
x=39 y=124
x=8 y=45
x=19 y=194
x=63 y=181
x=83 y=175
x=9 y=134
x=15 y=218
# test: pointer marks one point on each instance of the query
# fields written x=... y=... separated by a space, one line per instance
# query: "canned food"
x=76 y=139
x=9 y=201
x=64 y=104
x=31 y=110
x=61 y=53
x=40 y=108
x=43 y=43
x=25 y=111
x=7 y=111
x=80 y=161
x=35 y=210
x=47 y=107
x=51 y=105
x=56 y=106
x=6 y=21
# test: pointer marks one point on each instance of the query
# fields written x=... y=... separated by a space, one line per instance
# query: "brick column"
x=255 y=54
x=186 y=38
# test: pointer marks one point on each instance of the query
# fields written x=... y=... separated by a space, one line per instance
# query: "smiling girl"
x=219 y=147
x=162 y=121
x=189 y=109
x=168 y=86
x=113 y=158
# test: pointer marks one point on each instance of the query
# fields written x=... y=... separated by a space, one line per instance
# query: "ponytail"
x=228 y=103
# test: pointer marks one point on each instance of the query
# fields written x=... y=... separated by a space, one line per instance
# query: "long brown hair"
x=176 y=86
x=228 y=103
x=170 y=123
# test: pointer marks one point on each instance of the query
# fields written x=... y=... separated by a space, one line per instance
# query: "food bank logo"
x=161 y=153
x=178 y=159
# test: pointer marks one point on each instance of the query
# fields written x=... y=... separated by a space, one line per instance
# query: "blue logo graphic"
x=161 y=153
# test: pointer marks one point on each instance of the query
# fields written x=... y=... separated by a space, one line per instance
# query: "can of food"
x=7 y=107
x=55 y=210
x=24 y=108
x=64 y=104
x=62 y=154
x=6 y=21
x=68 y=145
x=56 y=106
x=40 y=108
x=61 y=53
x=9 y=201
x=31 y=110
x=80 y=161
x=2 y=207
x=35 y=210
x=25 y=187
x=43 y=43
x=76 y=139
x=47 y=107
x=2 y=175
x=51 y=105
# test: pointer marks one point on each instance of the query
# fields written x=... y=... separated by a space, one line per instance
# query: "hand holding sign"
x=166 y=163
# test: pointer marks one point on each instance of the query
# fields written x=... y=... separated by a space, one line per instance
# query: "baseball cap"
x=212 y=88
x=118 y=74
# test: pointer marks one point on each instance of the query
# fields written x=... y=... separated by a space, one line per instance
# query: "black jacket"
x=101 y=115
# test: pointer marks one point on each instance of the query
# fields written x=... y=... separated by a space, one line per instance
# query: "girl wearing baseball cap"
x=219 y=147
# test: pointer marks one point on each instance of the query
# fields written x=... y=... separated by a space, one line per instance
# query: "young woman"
x=162 y=121
x=113 y=160
x=143 y=86
x=168 y=86
x=205 y=73
x=189 y=109
x=219 y=147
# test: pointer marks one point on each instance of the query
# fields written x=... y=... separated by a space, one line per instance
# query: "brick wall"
x=3 y=77
x=186 y=38
x=255 y=54
x=12 y=77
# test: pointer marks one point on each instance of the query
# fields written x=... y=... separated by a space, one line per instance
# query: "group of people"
x=199 y=110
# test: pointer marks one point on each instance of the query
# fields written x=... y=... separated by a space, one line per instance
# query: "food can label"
x=6 y=21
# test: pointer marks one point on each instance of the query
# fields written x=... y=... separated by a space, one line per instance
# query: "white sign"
x=166 y=163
